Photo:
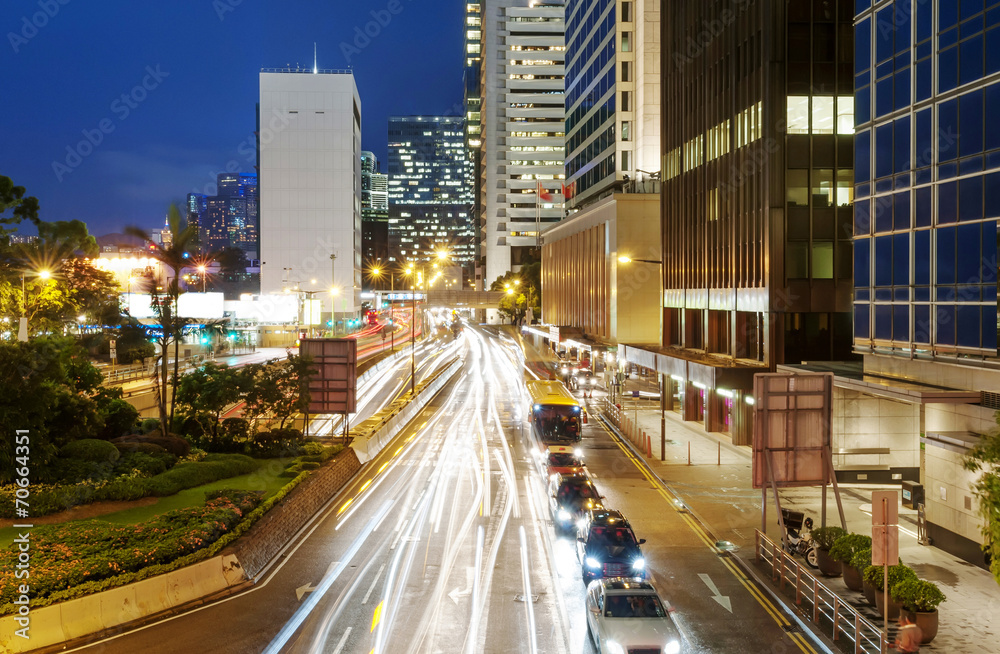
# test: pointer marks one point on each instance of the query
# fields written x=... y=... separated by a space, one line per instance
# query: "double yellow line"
x=702 y=533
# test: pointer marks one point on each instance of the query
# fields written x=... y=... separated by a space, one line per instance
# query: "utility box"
x=913 y=494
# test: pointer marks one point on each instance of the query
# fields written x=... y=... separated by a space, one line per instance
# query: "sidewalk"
x=722 y=497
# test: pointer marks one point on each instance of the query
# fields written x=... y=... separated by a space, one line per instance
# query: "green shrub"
x=119 y=418
x=874 y=575
x=846 y=546
x=72 y=471
x=90 y=449
x=313 y=449
x=191 y=474
x=825 y=537
x=861 y=559
x=237 y=429
x=917 y=595
x=271 y=449
x=149 y=424
x=174 y=444
x=148 y=464
x=136 y=446
x=234 y=494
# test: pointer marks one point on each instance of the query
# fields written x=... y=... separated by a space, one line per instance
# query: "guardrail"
x=825 y=608
x=628 y=427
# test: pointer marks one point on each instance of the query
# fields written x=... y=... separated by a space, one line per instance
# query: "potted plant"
x=861 y=559
x=920 y=599
x=843 y=550
x=875 y=576
x=825 y=537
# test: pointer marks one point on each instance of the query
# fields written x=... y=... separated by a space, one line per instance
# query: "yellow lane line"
x=378 y=615
x=700 y=531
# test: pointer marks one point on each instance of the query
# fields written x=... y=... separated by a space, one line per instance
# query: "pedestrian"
x=909 y=635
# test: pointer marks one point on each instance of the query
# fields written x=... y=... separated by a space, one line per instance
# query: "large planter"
x=894 y=606
x=852 y=577
x=928 y=623
x=828 y=566
x=869 y=591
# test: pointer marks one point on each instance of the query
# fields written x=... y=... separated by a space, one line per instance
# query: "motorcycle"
x=798 y=541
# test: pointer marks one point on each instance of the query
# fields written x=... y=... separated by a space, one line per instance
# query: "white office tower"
x=523 y=134
x=310 y=186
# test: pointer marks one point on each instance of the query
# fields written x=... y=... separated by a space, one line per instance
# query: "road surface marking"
x=372 y=587
x=343 y=641
x=377 y=616
x=700 y=531
x=723 y=600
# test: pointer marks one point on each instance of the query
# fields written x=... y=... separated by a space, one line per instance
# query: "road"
x=443 y=543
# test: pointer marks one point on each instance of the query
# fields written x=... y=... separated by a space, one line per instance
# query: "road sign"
x=885 y=545
x=885 y=508
x=114 y=353
x=635 y=393
x=112 y=343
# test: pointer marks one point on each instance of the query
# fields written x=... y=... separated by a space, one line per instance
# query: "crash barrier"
x=59 y=623
x=369 y=437
x=629 y=428
x=825 y=608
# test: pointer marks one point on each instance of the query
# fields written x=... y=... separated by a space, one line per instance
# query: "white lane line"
x=372 y=587
x=343 y=641
x=529 y=606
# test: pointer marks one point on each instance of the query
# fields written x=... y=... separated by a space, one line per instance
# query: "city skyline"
x=188 y=113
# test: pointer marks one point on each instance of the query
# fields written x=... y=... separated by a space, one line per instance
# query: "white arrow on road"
x=308 y=588
x=470 y=572
x=723 y=600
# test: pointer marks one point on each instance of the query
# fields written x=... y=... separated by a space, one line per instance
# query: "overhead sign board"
x=333 y=386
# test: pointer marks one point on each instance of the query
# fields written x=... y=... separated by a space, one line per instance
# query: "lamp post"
x=201 y=271
x=662 y=382
x=334 y=291
x=377 y=274
x=442 y=255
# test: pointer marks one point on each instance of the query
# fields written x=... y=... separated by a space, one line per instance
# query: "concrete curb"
x=815 y=637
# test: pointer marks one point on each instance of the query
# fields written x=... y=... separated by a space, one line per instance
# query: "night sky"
x=199 y=61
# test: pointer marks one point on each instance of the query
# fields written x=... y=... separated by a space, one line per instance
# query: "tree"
x=133 y=342
x=277 y=390
x=525 y=286
x=208 y=390
x=985 y=458
x=52 y=391
x=175 y=257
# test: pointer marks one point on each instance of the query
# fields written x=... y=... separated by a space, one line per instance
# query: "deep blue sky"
x=69 y=75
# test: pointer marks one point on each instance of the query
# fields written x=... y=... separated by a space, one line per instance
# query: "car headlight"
x=615 y=648
x=563 y=515
x=581 y=523
x=673 y=647
x=578 y=453
x=638 y=564
x=593 y=563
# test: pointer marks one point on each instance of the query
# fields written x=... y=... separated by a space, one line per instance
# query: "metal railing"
x=824 y=607
x=629 y=427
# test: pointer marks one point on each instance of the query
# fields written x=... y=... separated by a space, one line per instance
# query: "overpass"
x=442 y=298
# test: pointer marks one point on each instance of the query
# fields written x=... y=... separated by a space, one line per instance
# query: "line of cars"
x=624 y=612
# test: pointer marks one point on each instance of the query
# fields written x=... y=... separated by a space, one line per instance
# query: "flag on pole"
x=568 y=191
x=543 y=194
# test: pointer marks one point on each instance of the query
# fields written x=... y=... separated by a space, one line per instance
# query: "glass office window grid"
x=590 y=93
x=926 y=171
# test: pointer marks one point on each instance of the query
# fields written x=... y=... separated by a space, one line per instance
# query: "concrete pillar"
x=712 y=409
x=692 y=397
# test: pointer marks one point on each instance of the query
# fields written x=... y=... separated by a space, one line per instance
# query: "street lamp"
x=201 y=270
x=377 y=274
x=334 y=292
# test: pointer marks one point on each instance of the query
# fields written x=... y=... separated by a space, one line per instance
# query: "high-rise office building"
x=374 y=189
x=927 y=181
x=230 y=219
x=473 y=138
x=197 y=203
x=756 y=210
x=612 y=94
x=429 y=176
x=522 y=128
x=310 y=184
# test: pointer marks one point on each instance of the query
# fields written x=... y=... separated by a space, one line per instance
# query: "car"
x=607 y=547
x=570 y=497
x=626 y=616
x=560 y=459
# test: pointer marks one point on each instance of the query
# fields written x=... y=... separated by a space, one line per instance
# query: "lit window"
x=798 y=114
x=822 y=115
x=845 y=114
x=626 y=42
x=797 y=188
x=822 y=187
x=626 y=130
x=845 y=187
x=822 y=260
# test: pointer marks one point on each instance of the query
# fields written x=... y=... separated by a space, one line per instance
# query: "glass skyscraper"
x=231 y=218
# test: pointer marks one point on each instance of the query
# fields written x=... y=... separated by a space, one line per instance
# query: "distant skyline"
x=111 y=115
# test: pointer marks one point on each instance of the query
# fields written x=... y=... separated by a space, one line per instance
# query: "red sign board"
x=791 y=429
x=333 y=386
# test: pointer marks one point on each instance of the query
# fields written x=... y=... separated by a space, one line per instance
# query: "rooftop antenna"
x=315 y=66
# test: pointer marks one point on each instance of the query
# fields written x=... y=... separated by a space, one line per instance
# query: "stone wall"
x=863 y=421
x=273 y=531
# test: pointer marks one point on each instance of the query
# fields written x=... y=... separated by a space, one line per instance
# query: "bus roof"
x=544 y=391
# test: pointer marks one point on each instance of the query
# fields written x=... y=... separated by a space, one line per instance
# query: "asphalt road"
x=444 y=543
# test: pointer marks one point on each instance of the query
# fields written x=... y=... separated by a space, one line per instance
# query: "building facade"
x=927 y=175
x=231 y=218
x=612 y=94
x=522 y=130
x=473 y=137
x=430 y=198
x=310 y=185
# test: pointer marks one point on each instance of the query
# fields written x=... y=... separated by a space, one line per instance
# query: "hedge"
x=98 y=585
x=190 y=474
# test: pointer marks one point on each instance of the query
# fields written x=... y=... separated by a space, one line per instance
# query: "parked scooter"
x=799 y=539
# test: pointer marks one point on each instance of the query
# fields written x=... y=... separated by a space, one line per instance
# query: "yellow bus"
x=556 y=416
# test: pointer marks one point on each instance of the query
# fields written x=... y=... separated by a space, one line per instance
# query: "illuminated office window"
x=798 y=114
x=822 y=115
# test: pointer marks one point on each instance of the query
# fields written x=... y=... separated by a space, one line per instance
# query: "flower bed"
x=68 y=555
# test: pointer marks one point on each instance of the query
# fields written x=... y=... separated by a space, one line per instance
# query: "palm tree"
x=175 y=257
